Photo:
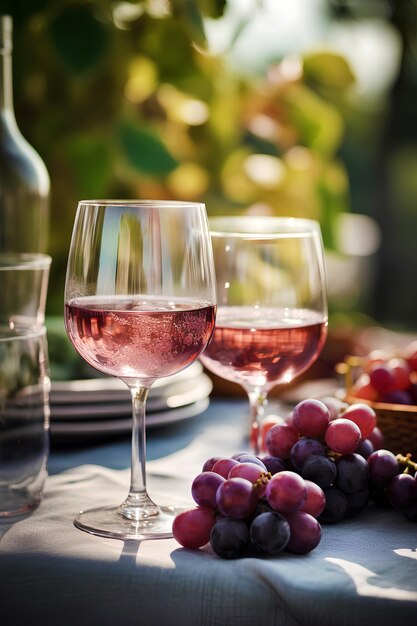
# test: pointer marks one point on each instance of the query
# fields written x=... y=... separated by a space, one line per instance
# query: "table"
x=51 y=574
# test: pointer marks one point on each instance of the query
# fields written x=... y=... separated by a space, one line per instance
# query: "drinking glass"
x=23 y=286
x=24 y=419
x=271 y=320
x=139 y=305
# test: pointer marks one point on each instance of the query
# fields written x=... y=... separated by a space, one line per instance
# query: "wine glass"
x=271 y=320
x=139 y=305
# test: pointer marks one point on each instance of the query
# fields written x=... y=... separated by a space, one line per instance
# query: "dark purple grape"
x=402 y=491
x=365 y=448
x=397 y=396
x=229 y=538
x=303 y=449
x=320 y=470
x=383 y=466
x=236 y=498
x=356 y=502
x=352 y=473
x=336 y=506
x=305 y=532
x=274 y=464
x=269 y=532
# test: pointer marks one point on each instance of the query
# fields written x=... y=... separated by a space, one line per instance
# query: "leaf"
x=318 y=124
x=329 y=70
x=79 y=38
x=145 y=151
x=188 y=14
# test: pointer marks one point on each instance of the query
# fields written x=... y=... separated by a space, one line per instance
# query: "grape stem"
x=406 y=460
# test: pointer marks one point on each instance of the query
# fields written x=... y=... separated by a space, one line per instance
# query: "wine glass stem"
x=138 y=504
x=257 y=403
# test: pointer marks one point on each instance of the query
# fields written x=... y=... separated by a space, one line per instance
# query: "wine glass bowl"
x=139 y=305
x=272 y=307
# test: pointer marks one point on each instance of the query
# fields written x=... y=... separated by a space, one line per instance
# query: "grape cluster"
x=251 y=505
x=321 y=464
x=388 y=378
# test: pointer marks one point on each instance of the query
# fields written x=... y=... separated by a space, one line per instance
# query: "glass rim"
x=262 y=227
x=24 y=261
x=140 y=203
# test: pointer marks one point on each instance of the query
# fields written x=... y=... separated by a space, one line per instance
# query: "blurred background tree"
x=285 y=107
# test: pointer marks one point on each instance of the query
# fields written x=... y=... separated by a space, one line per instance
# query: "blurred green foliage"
x=123 y=99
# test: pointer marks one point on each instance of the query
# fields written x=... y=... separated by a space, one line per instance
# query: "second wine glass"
x=272 y=306
x=139 y=305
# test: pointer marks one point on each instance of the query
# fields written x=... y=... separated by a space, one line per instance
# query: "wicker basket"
x=398 y=422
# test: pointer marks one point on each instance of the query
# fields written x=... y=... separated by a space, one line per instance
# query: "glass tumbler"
x=24 y=419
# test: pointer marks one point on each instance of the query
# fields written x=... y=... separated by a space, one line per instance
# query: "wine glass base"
x=108 y=522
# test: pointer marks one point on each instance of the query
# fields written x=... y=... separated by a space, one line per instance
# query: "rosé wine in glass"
x=139 y=337
x=264 y=350
x=140 y=304
x=271 y=321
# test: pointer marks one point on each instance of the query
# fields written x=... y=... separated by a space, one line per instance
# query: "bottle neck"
x=6 y=84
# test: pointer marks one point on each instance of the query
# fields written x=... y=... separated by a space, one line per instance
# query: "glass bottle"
x=24 y=180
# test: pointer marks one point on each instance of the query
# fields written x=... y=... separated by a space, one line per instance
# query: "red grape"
x=315 y=501
x=280 y=439
x=363 y=416
x=363 y=389
x=204 y=489
x=334 y=406
x=192 y=528
x=342 y=436
x=286 y=492
x=236 y=498
x=267 y=424
x=382 y=378
x=401 y=371
x=223 y=466
x=253 y=473
x=208 y=465
x=310 y=418
x=377 y=438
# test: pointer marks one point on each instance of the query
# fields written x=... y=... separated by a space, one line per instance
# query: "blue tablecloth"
x=51 y=574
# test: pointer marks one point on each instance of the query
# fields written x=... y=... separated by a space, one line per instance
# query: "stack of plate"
x=101 y=407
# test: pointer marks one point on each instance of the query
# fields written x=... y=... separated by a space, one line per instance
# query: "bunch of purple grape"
x=323 y=463
x=339 y=447
x=248 y=505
